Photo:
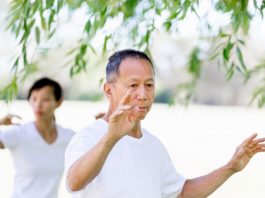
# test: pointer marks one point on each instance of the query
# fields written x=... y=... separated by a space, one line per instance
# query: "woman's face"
x=43 y=102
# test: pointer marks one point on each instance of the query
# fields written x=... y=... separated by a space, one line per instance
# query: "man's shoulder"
x=88 y=136
x=154 y=140
x=150 y=136
x=96 y=128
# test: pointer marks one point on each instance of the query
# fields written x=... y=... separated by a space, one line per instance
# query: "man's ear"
x=108 y=90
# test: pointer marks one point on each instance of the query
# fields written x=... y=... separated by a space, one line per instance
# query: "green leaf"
x=28 y=70
x=101 y=80
x=106 y=39
x=88 y=27
x=167 y=25
x=262 y=7
x=230 y=72
x=223 y=35
x=185 y=8
x=129 y=7
x=51 y=33
x=51 y=19
x=34 y=9
x=15 y=65
x=25 y=59
x=9 y=92
x=37 y=35
x=195 y=63
x=241 y=42
x=173 y=15
x=92 y=48
x=83 y=49
x=227 y=50
x=49 y=4
x=214 y=56
x=17 y=31
x=74 y=70
x=241 y=60
x=43 y=22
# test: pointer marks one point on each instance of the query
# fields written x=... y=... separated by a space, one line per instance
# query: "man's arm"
x=89 y=165
x=203 y=186
x=85 y=169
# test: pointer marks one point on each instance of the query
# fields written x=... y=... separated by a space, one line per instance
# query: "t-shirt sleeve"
x=81 y=143
x=78 y=146
x=10 y=137
x=172 y=182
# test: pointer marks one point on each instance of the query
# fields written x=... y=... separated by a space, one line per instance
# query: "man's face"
x=137 y=77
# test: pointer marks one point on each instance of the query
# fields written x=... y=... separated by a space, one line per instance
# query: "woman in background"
x=38 y=147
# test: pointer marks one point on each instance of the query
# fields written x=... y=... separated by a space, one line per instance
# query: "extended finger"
x=254 y=143
x=124 y=107
x=258 y=146
x=249 y=140
x=257 y=141
x=121 y=110
x=258 y=150
x=126 y=98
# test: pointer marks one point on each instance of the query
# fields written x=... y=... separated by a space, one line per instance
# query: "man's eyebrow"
x=136 y=79
x=150 y=79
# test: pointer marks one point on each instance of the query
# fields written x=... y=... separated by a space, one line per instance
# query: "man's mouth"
x=141 y=108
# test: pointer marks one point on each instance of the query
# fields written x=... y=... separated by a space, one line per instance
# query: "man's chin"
x=138 y=117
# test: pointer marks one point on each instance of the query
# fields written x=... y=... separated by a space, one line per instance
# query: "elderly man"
x=115 y=157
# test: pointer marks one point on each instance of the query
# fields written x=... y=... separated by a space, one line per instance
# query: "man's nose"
x=141 y=93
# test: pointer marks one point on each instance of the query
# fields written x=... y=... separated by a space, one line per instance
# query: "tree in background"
x=137 y=22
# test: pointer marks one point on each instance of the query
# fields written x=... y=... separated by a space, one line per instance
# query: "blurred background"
x=200 y=137
x=170 y=52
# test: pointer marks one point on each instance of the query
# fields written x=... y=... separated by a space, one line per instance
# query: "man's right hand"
x=121 y=121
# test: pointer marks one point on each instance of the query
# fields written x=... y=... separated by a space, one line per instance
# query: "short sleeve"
x=78 y=146
x=81 y=143
x=10 y=137
x=172 y=182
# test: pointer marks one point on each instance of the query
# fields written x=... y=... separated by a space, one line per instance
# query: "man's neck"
x=136 y=131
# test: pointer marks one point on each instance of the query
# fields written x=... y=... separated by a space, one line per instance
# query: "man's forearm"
x=203 y=186
x=89 y=165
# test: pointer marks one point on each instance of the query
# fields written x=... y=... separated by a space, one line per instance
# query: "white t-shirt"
x=135 y=168
x=38 y=165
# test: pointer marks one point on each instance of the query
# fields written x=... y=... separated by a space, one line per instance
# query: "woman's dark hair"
x=112 y=68
x=43 y=82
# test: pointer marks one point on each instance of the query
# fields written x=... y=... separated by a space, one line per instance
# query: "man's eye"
x=150 y=85
x=133 y=85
